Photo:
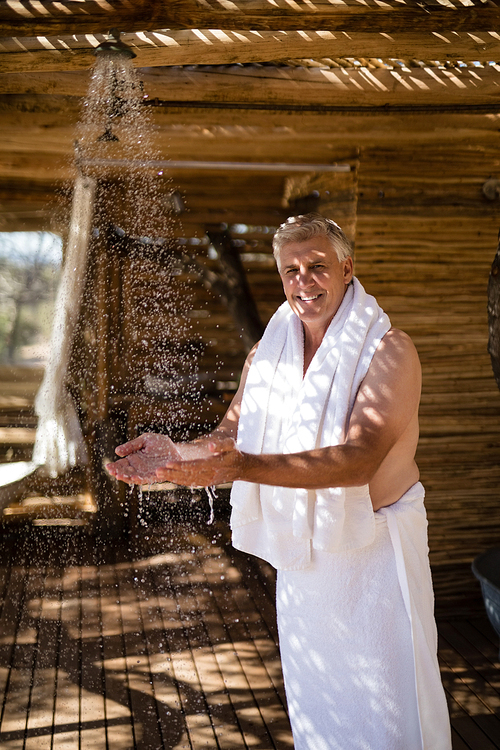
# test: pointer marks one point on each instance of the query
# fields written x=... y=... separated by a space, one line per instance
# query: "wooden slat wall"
x=428 y=264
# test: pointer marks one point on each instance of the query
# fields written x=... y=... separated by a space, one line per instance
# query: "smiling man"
x=320 y=444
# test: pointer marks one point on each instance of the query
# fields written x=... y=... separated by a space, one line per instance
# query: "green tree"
x=29 y=274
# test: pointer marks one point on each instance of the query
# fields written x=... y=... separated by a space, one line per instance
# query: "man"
x=320 y=444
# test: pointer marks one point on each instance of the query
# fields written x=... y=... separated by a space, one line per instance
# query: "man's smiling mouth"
x=309 y=298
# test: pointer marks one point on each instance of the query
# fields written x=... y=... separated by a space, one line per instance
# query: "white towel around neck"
x=284 y=412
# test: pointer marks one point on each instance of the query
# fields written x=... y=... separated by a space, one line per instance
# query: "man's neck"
x=312 y=342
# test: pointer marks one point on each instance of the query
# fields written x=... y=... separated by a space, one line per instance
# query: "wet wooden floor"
x=169 y=642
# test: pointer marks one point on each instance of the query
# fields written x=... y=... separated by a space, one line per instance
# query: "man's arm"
x=386 y=403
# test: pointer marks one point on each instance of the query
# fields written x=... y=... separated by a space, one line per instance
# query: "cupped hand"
x=215 y=462
x=142 y=457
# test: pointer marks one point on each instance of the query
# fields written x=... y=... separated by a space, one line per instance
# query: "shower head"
x=108 y=135
x=114 y=47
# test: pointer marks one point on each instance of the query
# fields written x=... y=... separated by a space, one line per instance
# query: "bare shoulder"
x=388 y=398
x=395 y=368
x=398 y=339
x=397 y=349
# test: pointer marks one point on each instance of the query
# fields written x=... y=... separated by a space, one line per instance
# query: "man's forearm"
x=338 y=466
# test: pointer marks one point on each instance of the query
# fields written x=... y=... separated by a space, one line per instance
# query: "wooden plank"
x=119 y=725
x=17 y=435
x=471 y=734
x=145 y=716
x=218 y=666
x=25 y=636
x=263 y=668
x=180 y=606
x=17 y=20
x=196 y=610
x=41 y=721
x=92 y=700
x=486 y=629
x=11 y=611
x=321 y=89
x=482 y=677
x=213 y=46
x=160 y=634
x=457 y=742
x=67 y=699
x=173 y=645
x=253 y=691
x=50 y=118
x=201 y=627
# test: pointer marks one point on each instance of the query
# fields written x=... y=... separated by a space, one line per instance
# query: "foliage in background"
x=29 y=274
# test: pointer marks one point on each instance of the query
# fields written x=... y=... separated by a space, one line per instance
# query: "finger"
x=132 y=477
x=111 y=469
x=163 y=473
x=225 y=445
x=132 y=446
x=118 y=468
x=124 y=475
x=124 y=471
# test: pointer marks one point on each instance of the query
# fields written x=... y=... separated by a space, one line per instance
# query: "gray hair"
x=304 y=227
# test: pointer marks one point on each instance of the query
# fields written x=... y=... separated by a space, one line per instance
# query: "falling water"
x=115 y=126
x=116 y=146
x=212 y=496
x=117 y=190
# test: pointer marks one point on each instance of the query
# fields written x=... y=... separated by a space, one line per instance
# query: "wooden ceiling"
x=295 y=82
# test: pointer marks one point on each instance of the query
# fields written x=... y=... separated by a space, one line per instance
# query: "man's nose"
x=304 y=277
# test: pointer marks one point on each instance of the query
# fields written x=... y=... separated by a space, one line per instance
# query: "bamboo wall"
x=428 y=264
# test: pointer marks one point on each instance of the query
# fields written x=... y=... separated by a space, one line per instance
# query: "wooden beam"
x=237 y=295
x=215 y=47
x=182 y=132
x=297 y=89
x=331 y=90
x=184 y=129
x=494 y=316
x=29 y=19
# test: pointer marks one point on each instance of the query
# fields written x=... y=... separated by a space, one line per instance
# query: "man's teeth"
x=307 y=299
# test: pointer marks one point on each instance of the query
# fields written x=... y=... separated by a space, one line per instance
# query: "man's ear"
x=348 y=270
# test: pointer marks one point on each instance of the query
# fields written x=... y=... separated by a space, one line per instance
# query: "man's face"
x=314 y=281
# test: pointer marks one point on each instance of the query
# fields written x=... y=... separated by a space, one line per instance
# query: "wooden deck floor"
x=169 y=643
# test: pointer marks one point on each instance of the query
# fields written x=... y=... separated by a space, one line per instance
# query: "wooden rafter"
x=494 y=316
x=273 y=89
x=21 y=18
x=213 y=47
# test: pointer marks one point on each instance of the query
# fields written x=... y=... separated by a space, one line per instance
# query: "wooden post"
x=494 y=315
x=235 y=290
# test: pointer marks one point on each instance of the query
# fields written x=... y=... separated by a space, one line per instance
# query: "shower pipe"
x=215 y=165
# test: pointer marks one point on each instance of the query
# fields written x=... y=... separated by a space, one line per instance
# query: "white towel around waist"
x=407 y=525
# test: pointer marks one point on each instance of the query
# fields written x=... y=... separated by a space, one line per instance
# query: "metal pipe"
x=243 y=166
